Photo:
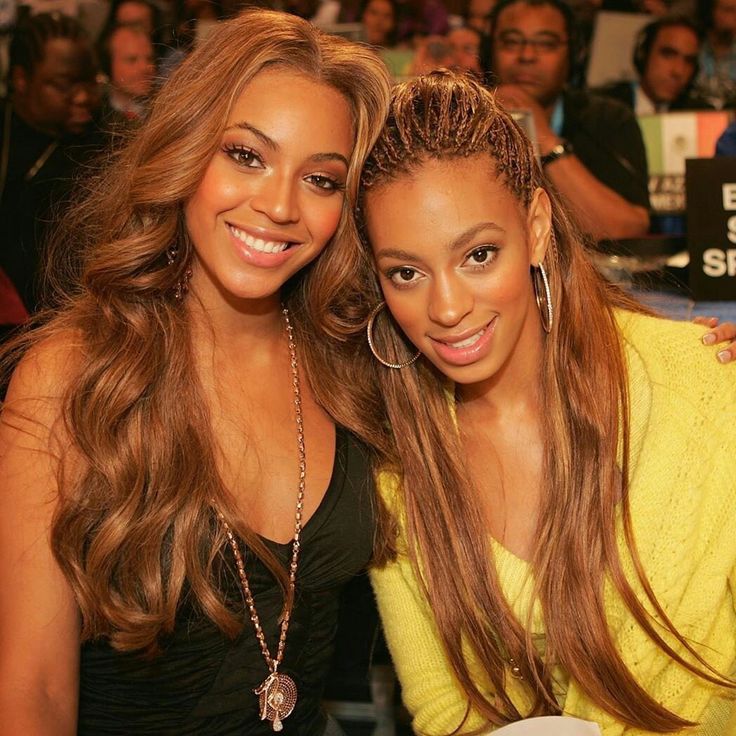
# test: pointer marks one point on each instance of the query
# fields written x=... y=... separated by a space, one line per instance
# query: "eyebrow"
x=676 y=52
x=271 y=143
x=461 y=241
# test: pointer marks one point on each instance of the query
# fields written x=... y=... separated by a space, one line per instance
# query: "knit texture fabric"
x=683 y=506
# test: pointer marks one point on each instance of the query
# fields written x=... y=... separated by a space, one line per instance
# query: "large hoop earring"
x=543 y=295
x=372 y=346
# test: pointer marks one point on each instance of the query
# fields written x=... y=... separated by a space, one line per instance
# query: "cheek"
x=408 y=311
x=216 y=193
x=502 y=62
x=324 y=219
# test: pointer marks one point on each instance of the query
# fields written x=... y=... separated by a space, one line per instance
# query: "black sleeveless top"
x=203 y=682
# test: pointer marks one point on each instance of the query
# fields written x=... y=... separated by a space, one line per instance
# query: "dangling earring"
x=543 y=295
x=182 y=285
x=372 y=346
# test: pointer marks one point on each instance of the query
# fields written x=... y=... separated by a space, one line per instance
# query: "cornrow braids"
x=28 y=47
x=446 y=115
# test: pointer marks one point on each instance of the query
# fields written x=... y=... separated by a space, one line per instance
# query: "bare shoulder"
x=40 y=381
x=47 y=368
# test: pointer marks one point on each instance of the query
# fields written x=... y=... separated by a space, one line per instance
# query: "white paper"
x=550 y=726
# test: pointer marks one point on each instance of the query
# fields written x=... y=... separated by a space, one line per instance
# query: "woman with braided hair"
x=557 y=459
x=179 y=509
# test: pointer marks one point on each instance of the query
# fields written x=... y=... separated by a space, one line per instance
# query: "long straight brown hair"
x=137 y=521
x=584 y=387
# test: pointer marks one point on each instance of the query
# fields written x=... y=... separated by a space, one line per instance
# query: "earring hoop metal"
x=372 y=346
x=543 y=295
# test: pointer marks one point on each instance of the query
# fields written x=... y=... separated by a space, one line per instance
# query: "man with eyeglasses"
x=47 y=131
x=591 y=148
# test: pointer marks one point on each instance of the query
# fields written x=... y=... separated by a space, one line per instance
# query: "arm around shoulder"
x=39 y=618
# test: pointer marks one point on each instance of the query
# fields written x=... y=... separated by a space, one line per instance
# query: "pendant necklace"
x=277 y=693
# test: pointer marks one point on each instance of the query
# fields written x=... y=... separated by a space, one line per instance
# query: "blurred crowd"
x=76 y=77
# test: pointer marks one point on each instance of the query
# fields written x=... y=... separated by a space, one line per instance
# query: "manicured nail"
x=724 y=356
x=709 y=338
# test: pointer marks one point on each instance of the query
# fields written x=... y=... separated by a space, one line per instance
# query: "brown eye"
x=403 y=276
x=482 y=255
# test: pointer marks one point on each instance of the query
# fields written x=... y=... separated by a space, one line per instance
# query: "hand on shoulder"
x=723 y=335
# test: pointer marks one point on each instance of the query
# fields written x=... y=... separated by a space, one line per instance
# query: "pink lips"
x=460 y=356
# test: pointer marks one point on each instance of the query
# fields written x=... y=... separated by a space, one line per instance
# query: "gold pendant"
x=277 y=698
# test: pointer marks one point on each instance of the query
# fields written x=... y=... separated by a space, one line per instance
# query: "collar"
x=643 y=104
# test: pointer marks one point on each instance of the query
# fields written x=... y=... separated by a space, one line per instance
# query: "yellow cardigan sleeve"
x=430 y=690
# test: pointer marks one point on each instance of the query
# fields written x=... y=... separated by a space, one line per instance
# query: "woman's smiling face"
x=453 y=248
x=272 y=195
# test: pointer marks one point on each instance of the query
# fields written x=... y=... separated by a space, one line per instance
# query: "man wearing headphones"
x=666 y=60
x=591 y=147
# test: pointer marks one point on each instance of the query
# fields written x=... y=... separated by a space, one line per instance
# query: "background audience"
x=533 y=51
x=47 y=132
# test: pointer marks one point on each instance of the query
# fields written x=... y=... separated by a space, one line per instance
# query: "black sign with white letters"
x=711 y=227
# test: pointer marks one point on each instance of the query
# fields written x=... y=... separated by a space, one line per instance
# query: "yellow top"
x=683 y=506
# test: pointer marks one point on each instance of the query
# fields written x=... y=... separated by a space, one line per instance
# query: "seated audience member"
x=479 y=14
x=433 y=52
x=465 y=42
x=418 y=18
x=134 y=13
x=128 y=60
x=591 y=147
x=379 y=22
x=717 y=75
x=666 y=60
x=47 y=131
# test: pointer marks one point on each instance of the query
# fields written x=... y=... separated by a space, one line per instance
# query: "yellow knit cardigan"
x=683 y=505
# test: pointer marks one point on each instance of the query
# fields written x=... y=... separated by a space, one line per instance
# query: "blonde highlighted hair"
x=136 y=522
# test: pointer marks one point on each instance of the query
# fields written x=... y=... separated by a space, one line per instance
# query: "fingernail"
x=709 y=338
x=724 y=356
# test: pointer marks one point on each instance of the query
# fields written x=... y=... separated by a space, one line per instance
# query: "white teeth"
x=265 y=246
x=469 y=341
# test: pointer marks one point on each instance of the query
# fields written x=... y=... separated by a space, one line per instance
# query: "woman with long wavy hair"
x=558 y=461
x=179 y=510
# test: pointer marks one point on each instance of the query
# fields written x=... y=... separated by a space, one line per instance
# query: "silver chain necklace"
x=277 y=693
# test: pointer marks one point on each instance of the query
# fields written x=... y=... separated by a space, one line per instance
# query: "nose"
x=527 y=50
x=681 y=69
x=277 y=199
x=84 y=95
x=450 y=300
